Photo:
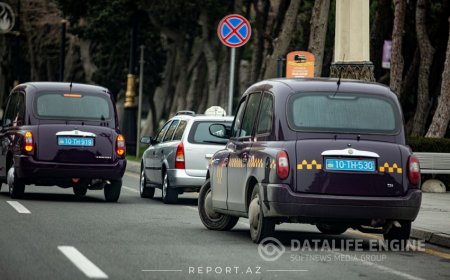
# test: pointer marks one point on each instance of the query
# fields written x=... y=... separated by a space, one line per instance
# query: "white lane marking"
x=244 y=224
x=19 y=207
x=83 y=263
x=196 y=209
x=130 y=189
x=192 y=208
x=386 y=269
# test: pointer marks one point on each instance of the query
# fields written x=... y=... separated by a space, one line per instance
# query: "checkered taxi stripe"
x=309 y=166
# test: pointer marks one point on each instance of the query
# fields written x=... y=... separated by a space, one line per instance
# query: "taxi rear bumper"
x=280 y=201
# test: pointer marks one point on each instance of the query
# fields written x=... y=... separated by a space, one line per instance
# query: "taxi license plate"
x=365 y=165
x=76 y=141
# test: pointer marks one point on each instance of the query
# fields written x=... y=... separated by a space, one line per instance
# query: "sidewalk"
x=432 y=224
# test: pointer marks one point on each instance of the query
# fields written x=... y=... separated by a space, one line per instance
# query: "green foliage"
x=430 y=145
x=107 y=24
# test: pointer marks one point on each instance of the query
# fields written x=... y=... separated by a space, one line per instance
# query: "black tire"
x=169 y=195
x=112 y=190
x=260 y=226
x=331 y=229
x=80 y=190
x=16 y=185
x=144 y=191
x=398 y=235
x=211 y=219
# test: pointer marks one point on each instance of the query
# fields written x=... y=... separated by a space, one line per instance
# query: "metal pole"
x=141 y=87
x=231 y=86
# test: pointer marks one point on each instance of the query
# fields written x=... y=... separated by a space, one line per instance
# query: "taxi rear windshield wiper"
x=214 y=142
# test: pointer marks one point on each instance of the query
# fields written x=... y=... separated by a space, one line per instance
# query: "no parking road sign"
x=234 y=31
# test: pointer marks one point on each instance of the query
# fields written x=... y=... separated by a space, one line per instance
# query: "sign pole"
x=234 y=31
x=231 y=86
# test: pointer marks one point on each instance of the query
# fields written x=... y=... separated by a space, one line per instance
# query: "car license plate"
x=76 y=141
x=367 y=165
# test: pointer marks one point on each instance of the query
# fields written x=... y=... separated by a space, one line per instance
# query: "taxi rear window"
x=343 y=113
x=199 y=133
x=79 y=106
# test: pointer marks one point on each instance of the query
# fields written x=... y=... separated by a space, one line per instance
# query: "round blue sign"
x=234 y=30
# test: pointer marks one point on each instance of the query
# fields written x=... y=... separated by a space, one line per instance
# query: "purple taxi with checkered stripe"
x=327 y=152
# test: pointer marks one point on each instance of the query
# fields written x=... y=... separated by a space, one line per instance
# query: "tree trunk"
x=381 y=29
x=317 y=35
x=441 y=117
x=261 y=8
x=426 y=58
x=396 y=53
x=281 y=43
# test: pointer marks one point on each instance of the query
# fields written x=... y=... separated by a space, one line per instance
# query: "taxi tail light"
x=282 y=165
x=28 y=142
x=413 y=170
x=179 y=157
x=120 y=145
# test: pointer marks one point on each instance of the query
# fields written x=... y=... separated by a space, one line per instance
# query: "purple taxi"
x=319 y=151
x=62 y=134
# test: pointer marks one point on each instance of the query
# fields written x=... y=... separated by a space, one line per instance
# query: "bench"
x=434 y=163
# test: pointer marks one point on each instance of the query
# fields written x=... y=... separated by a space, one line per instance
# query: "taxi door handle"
x=244 y=158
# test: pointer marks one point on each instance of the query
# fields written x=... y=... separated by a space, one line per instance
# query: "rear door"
x=239 y=146
x=75 y=128
x=152 y=164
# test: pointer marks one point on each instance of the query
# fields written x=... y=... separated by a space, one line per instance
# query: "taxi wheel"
x=211 y=219
x=16 y=185
x=145 y=192
x=260 y=226
x=80 y=190
x=398 y=235
x=112 y=190
x=169 y=195
x=331 y=229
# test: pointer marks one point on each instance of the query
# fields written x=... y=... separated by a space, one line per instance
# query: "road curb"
x=436 y=238
x=133 y=166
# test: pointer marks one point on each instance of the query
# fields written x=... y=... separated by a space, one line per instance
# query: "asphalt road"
x=51 y=234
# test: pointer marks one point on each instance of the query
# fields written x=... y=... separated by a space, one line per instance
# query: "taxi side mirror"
x=219 y=130
x=147 y=140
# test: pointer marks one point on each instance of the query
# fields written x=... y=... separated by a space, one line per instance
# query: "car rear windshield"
x=78 y=106
x=343 y=113
x=199 y=133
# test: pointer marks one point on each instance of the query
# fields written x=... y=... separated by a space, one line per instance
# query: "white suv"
x=177 y=159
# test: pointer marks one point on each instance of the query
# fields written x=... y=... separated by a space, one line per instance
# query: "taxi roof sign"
x=215 y=111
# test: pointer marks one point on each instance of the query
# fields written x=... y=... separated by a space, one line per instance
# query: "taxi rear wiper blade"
x=214 y=142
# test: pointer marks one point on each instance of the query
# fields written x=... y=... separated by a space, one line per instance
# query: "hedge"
x=430 y=145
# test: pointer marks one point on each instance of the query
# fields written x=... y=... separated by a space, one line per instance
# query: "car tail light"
x=282 y=165
x=120 y=145
x=179 y=157
x=29 y=145
x=413 y=170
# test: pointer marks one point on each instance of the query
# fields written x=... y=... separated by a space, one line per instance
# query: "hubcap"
x=142 y=181
x=164 y=188
x=208 y=207
x=253 y=213
x=10 y=179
